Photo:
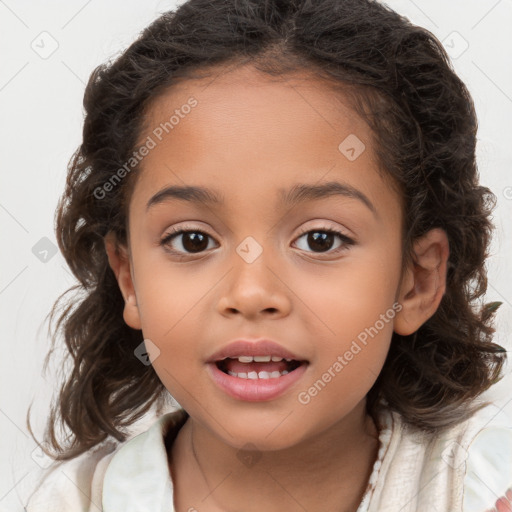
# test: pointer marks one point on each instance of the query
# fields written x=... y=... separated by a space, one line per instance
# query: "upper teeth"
x=259 y=359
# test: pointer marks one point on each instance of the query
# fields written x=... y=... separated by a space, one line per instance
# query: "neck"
x=329 y=471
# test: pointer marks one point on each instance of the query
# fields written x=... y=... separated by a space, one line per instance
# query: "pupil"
x=319 y=240
x=197 y=242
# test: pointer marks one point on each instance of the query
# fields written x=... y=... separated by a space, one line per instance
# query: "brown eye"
x=323 y=240
x=320 y=241
x=191 y=242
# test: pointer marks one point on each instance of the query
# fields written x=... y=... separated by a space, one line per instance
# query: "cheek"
x=348 y=364
x=345 y=301
x=351 y=315
x=168 y=298
x=341 y=379
x=168 y=306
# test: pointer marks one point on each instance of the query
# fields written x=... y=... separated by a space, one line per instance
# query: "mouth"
x=247 y=379
x=258 y=367
x=256 y=370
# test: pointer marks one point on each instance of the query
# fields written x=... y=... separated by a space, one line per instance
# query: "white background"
x=41 y=105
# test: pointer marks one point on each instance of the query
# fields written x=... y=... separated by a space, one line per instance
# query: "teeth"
x=259 y=375
x=260 y=359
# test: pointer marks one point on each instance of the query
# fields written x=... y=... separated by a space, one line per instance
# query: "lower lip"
x=255 y=390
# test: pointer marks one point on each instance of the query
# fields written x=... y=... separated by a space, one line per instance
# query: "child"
x=275 y=219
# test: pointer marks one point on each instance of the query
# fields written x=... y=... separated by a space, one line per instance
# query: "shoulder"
x=72 y=485
x=422 y=470
x=108 y=474
x=138 y=476
x=488 y=459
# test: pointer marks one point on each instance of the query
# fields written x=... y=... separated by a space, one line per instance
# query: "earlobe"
x=120 y=264
x=424 y=282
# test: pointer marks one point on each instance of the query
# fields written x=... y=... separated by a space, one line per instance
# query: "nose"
x=254 y=289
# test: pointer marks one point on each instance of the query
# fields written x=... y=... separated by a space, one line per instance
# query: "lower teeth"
x=260 y=375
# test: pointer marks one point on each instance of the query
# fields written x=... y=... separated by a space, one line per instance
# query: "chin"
x=269 y=434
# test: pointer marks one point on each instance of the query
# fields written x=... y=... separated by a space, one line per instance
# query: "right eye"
x=185 y=241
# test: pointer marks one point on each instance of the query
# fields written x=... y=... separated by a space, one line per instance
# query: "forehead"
x=252 y=132
x=233 y=104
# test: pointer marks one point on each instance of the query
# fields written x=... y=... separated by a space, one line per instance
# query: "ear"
x=424 y=282
x=119 y=261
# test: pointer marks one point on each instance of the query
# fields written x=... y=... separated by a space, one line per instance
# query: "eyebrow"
x=295 y=195
x=189 y=193
x=304 y=192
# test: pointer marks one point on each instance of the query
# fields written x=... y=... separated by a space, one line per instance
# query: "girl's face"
x=255 y=265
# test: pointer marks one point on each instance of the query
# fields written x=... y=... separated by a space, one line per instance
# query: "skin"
x=503 y=504
x=248 y=137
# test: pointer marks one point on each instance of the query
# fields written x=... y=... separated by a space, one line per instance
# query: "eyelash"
x=175 y=232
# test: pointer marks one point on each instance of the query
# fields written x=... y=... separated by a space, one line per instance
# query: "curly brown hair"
x=424 y=124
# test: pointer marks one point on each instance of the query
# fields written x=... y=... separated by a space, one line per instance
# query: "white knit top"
x=465 y=469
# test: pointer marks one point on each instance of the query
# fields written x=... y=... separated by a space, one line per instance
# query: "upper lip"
x=253 y=348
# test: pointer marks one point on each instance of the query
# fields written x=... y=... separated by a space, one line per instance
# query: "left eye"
x=322 y=240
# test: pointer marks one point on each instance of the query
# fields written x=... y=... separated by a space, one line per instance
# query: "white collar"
x=137 y=478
